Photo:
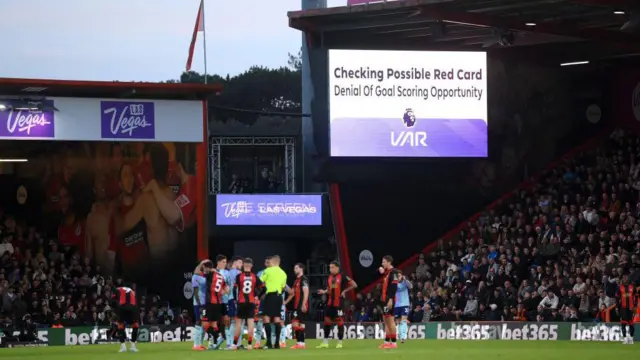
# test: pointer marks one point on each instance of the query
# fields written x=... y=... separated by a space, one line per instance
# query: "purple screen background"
x=371 y=137
x=258 y=219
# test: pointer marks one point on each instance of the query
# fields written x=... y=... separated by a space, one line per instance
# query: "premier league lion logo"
x=409 y=118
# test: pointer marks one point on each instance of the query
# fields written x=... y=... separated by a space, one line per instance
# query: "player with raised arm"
x=300 y=297
x=212 y=318
x=199 y=285
x=390 y=280
x=401 y=306
x=627 y=304
x=338 y=285
x=128 y=315
x=247 y=285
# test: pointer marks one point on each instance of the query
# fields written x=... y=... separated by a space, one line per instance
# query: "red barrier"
x=523 y=186
x=341 y=235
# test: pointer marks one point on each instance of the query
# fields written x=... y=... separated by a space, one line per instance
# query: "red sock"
x=235 y=339
x=250 y=340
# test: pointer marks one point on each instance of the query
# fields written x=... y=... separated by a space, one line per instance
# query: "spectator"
x=422 y=269
x=580 y=287
x=550 y=301
x=6 y=247
x=470 y=308
x=363 y=315
x=236 y=185
x=417 y=314
x=604 y=300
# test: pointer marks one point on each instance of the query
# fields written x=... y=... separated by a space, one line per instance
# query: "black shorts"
x=626 y=316
x=213 y=312
x=299 y=316
x=246 y=311
x=128 y=314
x=333 y=312
x=388 y=310
x=273 y=305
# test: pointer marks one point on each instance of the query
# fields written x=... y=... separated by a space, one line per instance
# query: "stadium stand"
x=553 y=250
x=52 y=285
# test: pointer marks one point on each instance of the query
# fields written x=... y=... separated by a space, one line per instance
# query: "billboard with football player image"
x=126 y=207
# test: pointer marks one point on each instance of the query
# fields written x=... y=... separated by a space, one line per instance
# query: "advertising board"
x=268 y=210
x=472 y=331
x=85 y=119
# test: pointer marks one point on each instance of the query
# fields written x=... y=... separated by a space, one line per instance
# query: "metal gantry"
x=215 y=157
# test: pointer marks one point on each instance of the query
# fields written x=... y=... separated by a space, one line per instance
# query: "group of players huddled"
x=226 y=300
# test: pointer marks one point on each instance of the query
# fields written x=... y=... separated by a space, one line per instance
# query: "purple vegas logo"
x=127 y=120
x=260 y=210
x=25 y=123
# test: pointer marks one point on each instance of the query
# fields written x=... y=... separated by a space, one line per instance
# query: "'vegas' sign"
x=127 y=120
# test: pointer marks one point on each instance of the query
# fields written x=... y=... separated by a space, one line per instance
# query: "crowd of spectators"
x=53 y=286
x=554 y=252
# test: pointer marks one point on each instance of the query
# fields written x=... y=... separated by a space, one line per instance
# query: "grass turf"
x=362 y=349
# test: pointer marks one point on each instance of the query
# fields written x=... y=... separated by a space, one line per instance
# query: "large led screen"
x=408 y=103
x=269 y=210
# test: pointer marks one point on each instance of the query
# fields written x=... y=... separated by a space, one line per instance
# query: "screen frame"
x=319 y=197
x=328 y=93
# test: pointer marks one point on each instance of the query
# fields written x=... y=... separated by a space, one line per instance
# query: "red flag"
x=196 y=29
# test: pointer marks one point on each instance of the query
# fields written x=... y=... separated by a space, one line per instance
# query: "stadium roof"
x=575 y=29
x=106 y=89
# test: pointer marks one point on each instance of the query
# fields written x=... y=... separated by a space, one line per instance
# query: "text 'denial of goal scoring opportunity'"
x=385 y=103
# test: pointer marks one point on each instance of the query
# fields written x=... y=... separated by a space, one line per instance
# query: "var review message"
x=382 y=83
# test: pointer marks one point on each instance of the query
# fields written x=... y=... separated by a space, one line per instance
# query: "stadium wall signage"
x=268 y=210
x=524 y=331
x=497 y=331
x=354 y=331
x=81 y=119
x=474 y=331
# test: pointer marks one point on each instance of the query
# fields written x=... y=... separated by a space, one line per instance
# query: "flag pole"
x=204 y=43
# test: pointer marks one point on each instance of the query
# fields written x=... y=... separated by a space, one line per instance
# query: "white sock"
x=326 y=341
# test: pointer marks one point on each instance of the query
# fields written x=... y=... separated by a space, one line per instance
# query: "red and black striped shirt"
x=390 y=281
x=298 y=295
x=627 y=295
x=125 y=296
x=246 y=285
x=336 y=284
x=216 y=287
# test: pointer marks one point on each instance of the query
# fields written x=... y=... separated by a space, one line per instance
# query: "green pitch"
x=353 y=349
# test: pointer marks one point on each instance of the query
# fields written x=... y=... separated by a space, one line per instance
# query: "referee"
x=275 y=280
